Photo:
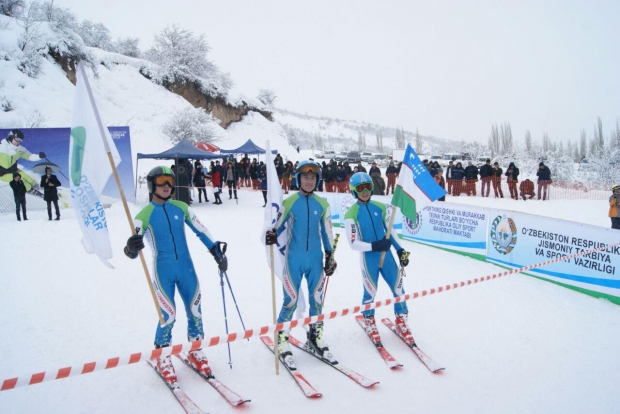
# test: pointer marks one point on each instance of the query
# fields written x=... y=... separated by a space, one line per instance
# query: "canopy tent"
x=248 y=148
x=207 y=146
x=184 y=149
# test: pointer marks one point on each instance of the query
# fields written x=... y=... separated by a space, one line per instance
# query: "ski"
x=360 y=379
x=426 y=360
x=233 y=398
x=305 y=386
x=188 y=405
x=391 y=362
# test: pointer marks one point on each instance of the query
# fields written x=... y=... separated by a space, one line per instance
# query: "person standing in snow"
x=366 y=230
x=513 y=178
x=199 y=182
x=11 y=150
x=19 y=194
x=308 y=218
x=50 y=184
x=496 y=176
x=486 y=176
x=614 y=207
x=161 y=223
x=544 y=179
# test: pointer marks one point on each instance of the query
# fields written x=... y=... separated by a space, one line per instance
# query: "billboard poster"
x=54 y=142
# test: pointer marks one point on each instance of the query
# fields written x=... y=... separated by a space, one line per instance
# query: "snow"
x=514 y=344
x=511 y=345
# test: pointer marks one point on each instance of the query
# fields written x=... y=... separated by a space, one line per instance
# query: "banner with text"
x=518 y=239
x=455 y=227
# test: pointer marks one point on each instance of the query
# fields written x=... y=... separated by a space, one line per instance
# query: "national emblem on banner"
x=503 y=234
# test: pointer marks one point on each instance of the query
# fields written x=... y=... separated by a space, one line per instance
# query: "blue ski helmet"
x=308 y=166
x=360 y=178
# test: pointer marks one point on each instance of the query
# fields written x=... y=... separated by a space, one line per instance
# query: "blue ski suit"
x=163 y=228
x=365 y=223
x=308 y=221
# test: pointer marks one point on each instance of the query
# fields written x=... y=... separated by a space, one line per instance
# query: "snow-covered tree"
x=506 y=139
x=12 y=8
x=267 y=96
x=95 y=35
x=361 y=141
x=127 y=46
x=494 y=140
x=193 y=124
x=181 y=56
x=528 y=142
x=583 y=149
x=379 y=136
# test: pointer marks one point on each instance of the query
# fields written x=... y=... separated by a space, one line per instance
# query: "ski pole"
x=235 y=301
x=225 y=316
x=331 y=259
x=223 y=251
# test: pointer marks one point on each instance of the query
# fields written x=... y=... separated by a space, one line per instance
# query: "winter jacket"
x=50 y=193
x=391 y=170
x=496 y=173
x=471 y=172
x=329 y=175
x=341 y=175
x=19 y=189
x=199 y=178
x=374 y=170
x=527 y=187
x=614 y=205
x=378 y=184
x=458 y=173
x=486 y=171
x=544 y=174
x=514 y=174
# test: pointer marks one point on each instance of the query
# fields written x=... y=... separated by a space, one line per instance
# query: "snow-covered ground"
x=510 y=345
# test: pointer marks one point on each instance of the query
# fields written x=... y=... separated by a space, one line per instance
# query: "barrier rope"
x=116 y=362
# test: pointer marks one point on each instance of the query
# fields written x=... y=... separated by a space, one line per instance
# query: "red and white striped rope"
x=115 y=362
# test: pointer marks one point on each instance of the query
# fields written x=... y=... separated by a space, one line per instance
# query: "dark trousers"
x=615 y=222
x=49 y=209
x=201 y=190
x=20 y=202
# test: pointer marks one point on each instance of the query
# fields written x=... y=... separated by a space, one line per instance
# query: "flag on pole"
x=415 y=188
x=90 y=168
x=273 y=212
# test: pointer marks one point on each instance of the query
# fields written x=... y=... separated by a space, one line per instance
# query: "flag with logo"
x=273 y=211
x=415 y=188
x=90 y=168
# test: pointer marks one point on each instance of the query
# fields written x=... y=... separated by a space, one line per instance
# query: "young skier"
x=308 y=218
x=11 y=150
x=366 y=229
x=161 y=222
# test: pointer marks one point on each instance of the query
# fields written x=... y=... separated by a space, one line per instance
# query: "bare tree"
x=379 y=136
x=546 y=143
x=494 y=140
x=418 y=142
x=528 y=142
x=506 y=138
x=361 y=141
x=583 y=149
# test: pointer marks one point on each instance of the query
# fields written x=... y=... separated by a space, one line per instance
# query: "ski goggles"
x=360 y=188
x=162 y=180
x=309 y=168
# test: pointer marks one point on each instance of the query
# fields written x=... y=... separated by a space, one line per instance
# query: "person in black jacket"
x=374 y=169
x=199 y=182
x=544 y=179
x=486 y=173
x=341 y=179
x=458 y=174
x=230 y=175
x=391 y=174
x=471 y=178
x=449 y=177
x=513 y=178
x=19 y=193
x=49 y=183
x=496 y=175
x=329 y=176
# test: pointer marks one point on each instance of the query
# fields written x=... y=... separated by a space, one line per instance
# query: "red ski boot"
x=199 y=362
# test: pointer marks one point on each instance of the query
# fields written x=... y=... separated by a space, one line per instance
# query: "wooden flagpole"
x=81 y=70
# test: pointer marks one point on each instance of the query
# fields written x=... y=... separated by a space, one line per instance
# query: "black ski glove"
x=220 y=256
x=41 y=154
x=382 y=245
x=330 y=264
x=271 y=237
x=403 y=257
x=134 y=244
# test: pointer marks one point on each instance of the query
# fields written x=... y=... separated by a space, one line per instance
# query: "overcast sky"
x=449 y=68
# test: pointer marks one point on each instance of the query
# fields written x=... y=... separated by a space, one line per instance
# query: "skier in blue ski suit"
x=307 y=218
x=366 y=230
x=162 y=224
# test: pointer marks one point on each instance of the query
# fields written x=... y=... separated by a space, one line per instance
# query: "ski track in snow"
x=511 y=345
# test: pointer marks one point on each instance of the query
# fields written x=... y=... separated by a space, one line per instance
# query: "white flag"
x=273 y=211
x=90 y=168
